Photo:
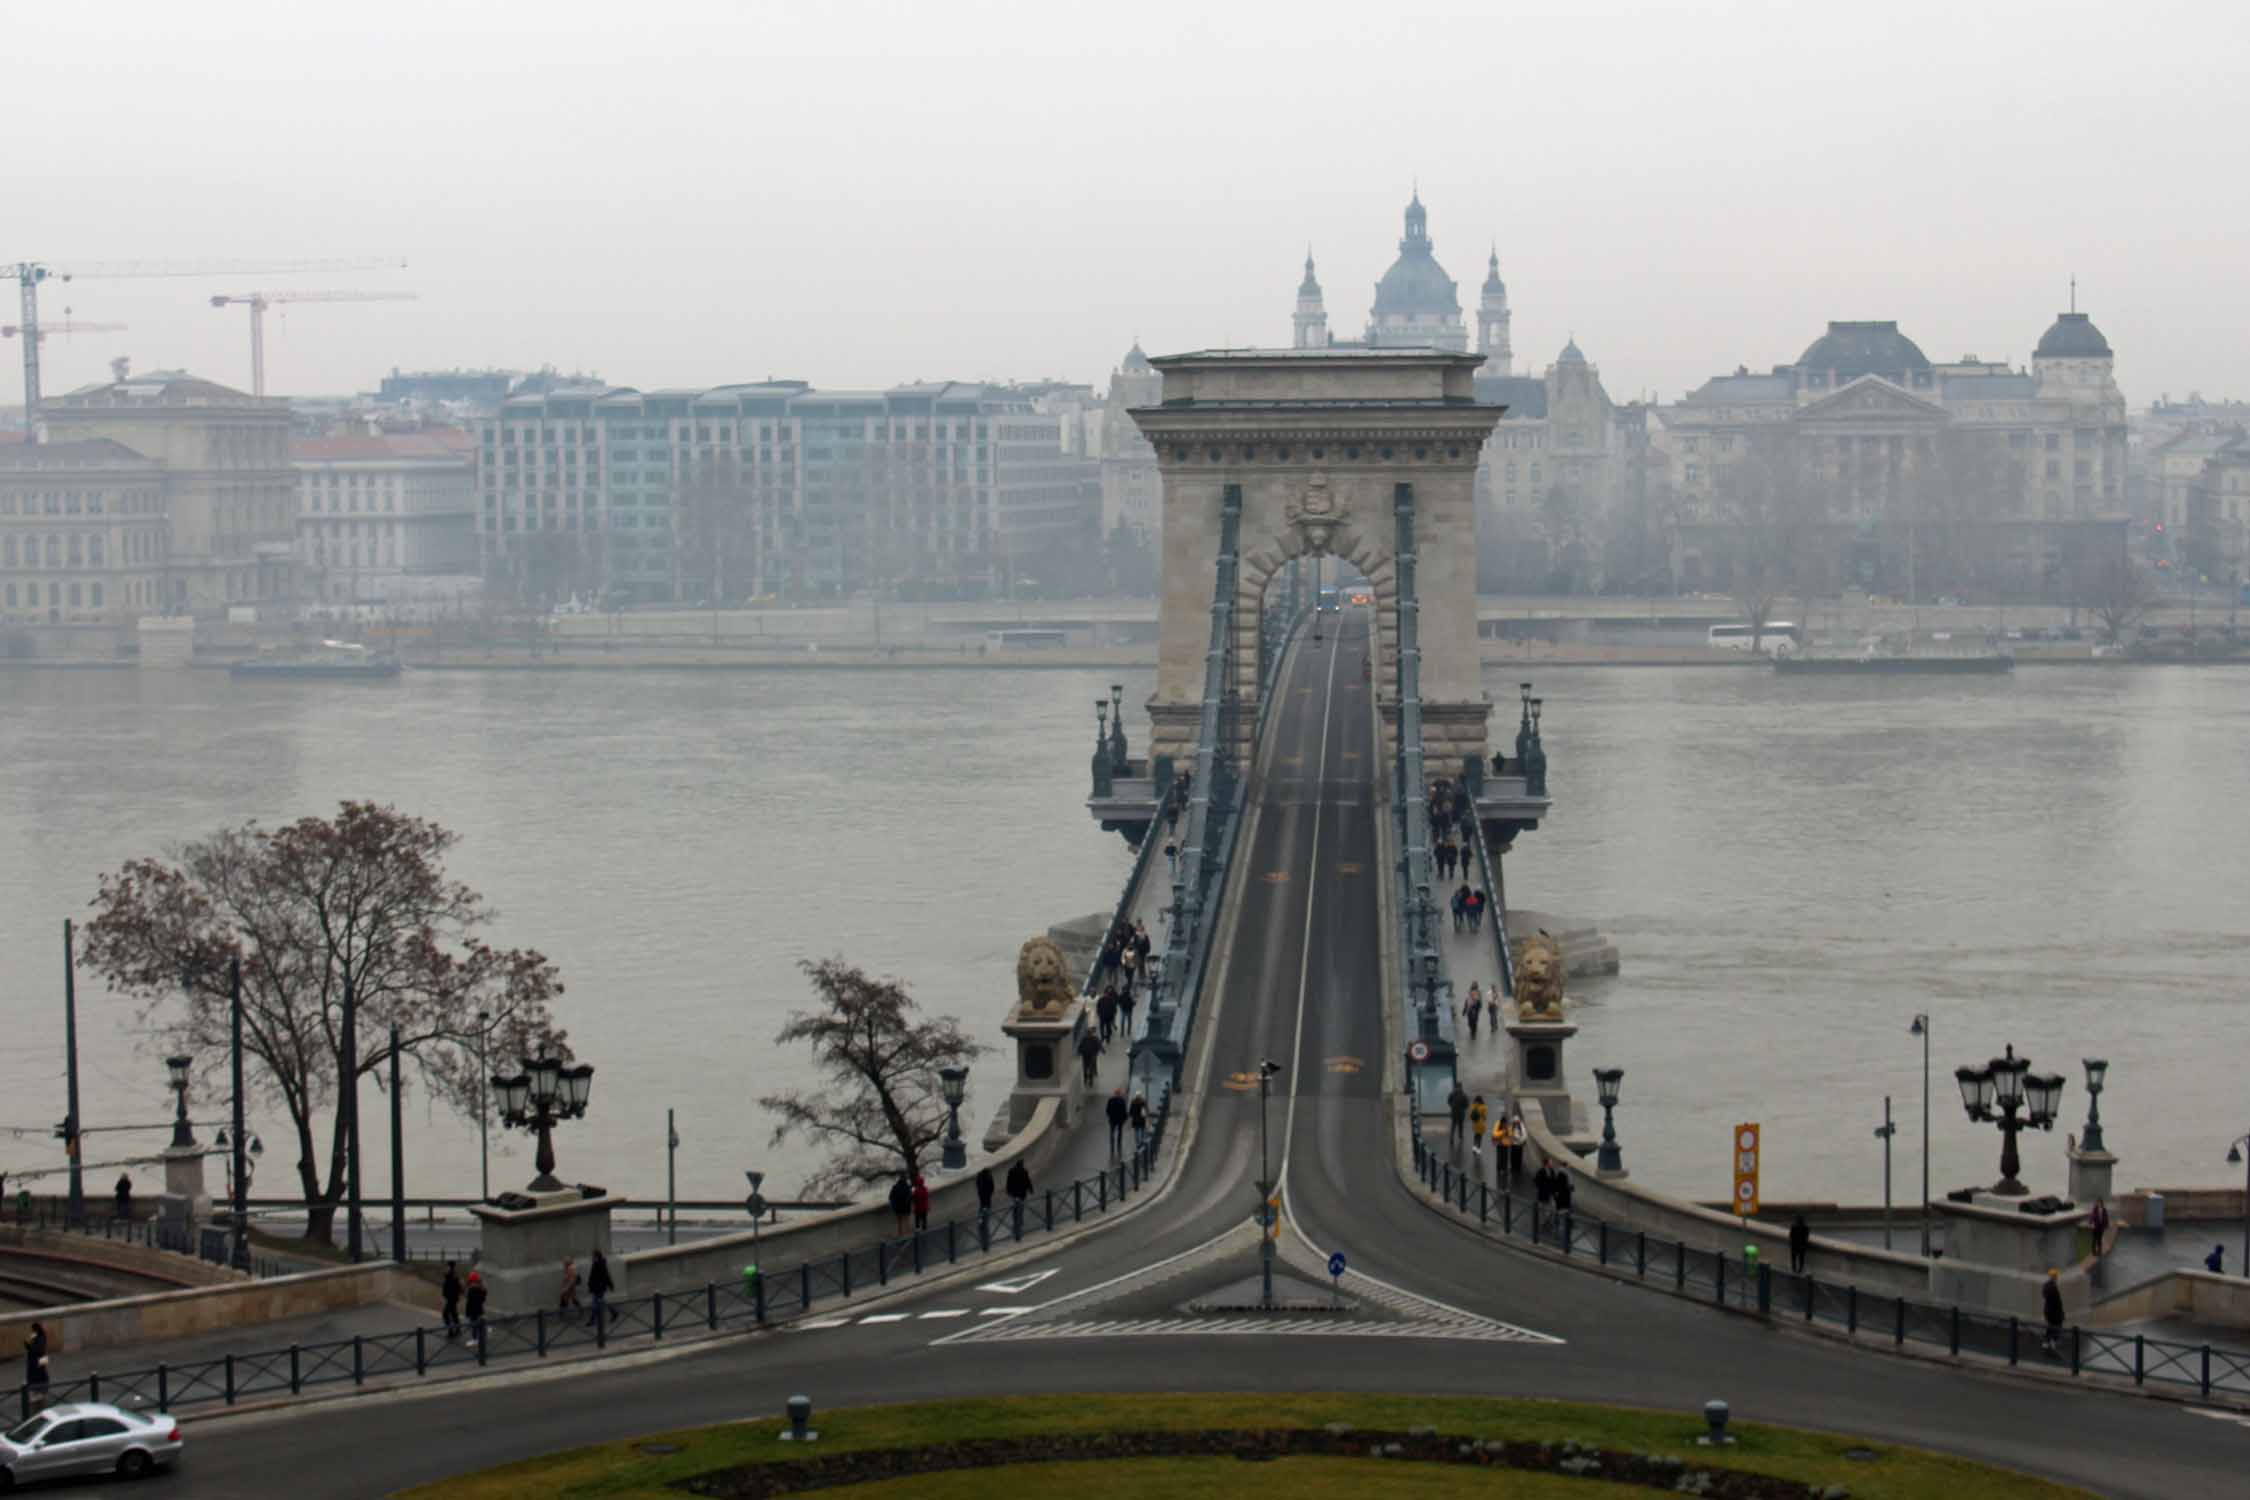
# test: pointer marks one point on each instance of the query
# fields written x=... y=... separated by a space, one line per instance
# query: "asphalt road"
x=1302 y=986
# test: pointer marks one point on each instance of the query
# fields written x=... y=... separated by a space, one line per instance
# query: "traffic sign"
x=1746 y=1169
x=1336 y=1264
x=1418 y=1052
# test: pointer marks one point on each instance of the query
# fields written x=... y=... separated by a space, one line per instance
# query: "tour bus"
x=1026 y=639
x=1328 y=598
x=1777 y=638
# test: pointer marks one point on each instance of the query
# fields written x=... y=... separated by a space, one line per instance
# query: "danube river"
x=1791 y=868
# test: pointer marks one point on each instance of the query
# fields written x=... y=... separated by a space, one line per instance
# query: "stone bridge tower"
x=1319 y=441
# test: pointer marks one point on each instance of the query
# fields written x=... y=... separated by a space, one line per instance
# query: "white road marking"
x=2239 y=1419
x=948 y=1312
x=1016 y=1286
x=886 y=1317
x=1001 y=1312
x=824 y=1323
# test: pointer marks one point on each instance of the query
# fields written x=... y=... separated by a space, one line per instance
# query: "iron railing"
x=1749 y=1285
x=761 y=1297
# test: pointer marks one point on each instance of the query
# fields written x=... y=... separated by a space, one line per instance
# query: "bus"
x=1021 y=639
x=1779 y=637
x=1328 y=604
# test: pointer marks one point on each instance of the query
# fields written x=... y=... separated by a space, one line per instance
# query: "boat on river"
x=333 y=660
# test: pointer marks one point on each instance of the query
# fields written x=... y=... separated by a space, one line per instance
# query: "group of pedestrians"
x=463 y=1298
x=910 y=1200
x=1120 y=1114
x=1019 y=1188
x=1474 y=1123
x=456 y=1292
x=1469 y=906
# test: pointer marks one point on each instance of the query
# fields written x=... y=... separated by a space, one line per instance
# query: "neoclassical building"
x=1132 y=491
x=1554 y=466
x=2022 y=470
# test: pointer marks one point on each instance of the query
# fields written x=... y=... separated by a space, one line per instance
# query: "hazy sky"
x=855 y=194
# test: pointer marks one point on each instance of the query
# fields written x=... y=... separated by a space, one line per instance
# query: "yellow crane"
x=258 y=302
x=28 y=274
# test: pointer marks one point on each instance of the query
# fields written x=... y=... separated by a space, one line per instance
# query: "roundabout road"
x=1302 y=985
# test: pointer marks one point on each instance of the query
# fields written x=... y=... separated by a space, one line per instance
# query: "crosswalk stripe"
x=947 y=1312
x=885 y=1318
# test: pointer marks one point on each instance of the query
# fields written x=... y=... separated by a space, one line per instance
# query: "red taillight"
x=173 y=1436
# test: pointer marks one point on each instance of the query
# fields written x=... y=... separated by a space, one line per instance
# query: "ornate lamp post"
x=1608 y=1082
x=1921 y=1028
x=543 y=1093
x=2097 y=1068
x=1104 y=772
x=1523 y=729
x=183 y=1134
x=1119 y=760
x=1535 y=763
x=1999 y=1091
x=955 y=1083
x=2234 y=1158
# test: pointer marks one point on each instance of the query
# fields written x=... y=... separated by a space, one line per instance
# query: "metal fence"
x=202 y=1241
x=758 y=1298
x=1747 y=1284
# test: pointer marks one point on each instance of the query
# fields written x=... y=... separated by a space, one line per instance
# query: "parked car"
x=85 y=1437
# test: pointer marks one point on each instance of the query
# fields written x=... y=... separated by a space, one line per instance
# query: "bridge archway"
x=1319 y=444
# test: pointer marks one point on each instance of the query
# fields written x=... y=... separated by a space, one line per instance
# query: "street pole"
x=1922 y=1029
x=484 y=1113
x=241 y=1193
x=398 y=1163
x=347 y=1110
x=1265 y=1197
x=671 y=1181
x=1885 y=1132
x=76 y=1126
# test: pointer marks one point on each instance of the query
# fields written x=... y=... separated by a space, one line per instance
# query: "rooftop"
x=92 y=453
x=439 y=445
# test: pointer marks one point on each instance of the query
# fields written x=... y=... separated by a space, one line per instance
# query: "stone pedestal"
x=2090 y=1175
x=1537 y=1070
x=184 y=1195
x=1996 y=1255
x=525 y=1236
x=166 y=640
x=1047 y=1064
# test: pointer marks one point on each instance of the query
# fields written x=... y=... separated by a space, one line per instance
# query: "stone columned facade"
x=1319 y=440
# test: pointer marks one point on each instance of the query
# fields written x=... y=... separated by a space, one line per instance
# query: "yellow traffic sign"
x=1345 y=1064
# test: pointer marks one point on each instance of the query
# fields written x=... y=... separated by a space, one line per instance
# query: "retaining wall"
x=124 y=1322
x=954 y=1196
x=2222 y=1301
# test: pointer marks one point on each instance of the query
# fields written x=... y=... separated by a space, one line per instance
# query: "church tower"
x=1492 y=322
x=1312 y=314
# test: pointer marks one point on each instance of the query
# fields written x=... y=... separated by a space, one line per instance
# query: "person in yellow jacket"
x=1476 y=1127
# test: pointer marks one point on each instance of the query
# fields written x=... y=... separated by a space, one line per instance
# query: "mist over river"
x=1792 y=868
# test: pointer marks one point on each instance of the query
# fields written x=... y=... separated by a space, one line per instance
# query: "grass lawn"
x=1227 y=1478
x=625 y=1471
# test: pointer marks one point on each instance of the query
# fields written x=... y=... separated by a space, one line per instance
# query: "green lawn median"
x=1197 y=1445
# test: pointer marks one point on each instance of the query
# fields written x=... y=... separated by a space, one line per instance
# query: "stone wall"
x=2223 y=1301
x=126 y=1322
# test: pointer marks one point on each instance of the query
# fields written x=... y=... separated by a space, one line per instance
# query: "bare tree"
x=2117 y=594
x=360 y=900
x=1776 y=508
x=882 y=1107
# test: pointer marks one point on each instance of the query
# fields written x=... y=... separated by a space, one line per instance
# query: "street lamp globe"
x=2008 y=1077
x=2234 y=1155
x=953 y=1083
x=2045 y=1092
x=1917 y=1028
x=1976 y=1090
x=513 y=1092
x=2097 y=1069
x=578 y=1084
x=178 y=1068
x=544 y=1074
x=1606 y=1084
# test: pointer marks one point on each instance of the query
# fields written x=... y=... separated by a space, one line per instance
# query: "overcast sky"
x=856 y=194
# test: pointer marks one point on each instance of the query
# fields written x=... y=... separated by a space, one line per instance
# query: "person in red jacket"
x=921 y=1202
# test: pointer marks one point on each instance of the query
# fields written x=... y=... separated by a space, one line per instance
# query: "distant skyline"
x=861 y=194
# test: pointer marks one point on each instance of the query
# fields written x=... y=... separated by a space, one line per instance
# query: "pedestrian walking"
x=1518 y=1134
x=1457 y=1103
x=1138 y=1114
x=2050 y=1304
x=1128 y=965
x=1445 y=861
x=921 y=1203
x=984 y=1192
x=1110 y=954
x=1125 y=1018
x=35 y=1366
x=124 y=1196
x=1105 y=1011
x=451 y=1292
x=1019 y=1188
x=1563 y=1191
x=1460 y=908
x=1478 y=901
x=569 y=1301
x=902 y=1205
x=1800 y=1242
x=1117 y=1110
x=1543 y=1185
x=1499 y=1143
x=2216 y=1261
x=1478 y=1114
x=1143 y=941
x=598 y=1286
x=2098 y=1222
x=1089 y=1056
x=473 y=1301
x=1473 y=1009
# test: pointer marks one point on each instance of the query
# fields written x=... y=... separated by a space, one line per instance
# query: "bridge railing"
x=1492 y=882
x=1425 y=990
x=762 y=1296
x=1749 y=1285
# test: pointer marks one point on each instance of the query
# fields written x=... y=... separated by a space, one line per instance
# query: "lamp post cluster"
x=536 y=1099
x=1999 y=1092
x=1531 y=750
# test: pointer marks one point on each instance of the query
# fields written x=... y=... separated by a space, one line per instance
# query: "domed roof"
x=1572 y=354
x=1136 y=363
x=2073 y=336
x=1850 y=350
x=1416 y=285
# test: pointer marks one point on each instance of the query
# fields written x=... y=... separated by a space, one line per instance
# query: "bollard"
x=1101 y=1193
x=94 y=1381
x=2140 y=1346
x=2075 y=1350
x=1078 y=1200
x=484 y=1344
x=1050 y=1210
x=1507 y=1213
x=918 y=1251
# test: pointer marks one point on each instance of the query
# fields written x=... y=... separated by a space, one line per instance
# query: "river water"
x=1792 y=869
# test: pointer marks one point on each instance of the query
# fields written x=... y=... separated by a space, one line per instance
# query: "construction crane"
x=10 y=330
x=258 y=302
x=27 y=275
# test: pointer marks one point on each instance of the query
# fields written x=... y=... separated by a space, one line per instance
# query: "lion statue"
x=1043 y=982
x=1539 y=976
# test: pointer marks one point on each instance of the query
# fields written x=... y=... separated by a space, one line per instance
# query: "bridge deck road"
x=1310 y=936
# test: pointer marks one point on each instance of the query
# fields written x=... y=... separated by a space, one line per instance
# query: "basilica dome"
x=1849 y=350
x=1416 y=286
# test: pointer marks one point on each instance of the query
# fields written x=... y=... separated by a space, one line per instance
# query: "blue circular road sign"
x=1336 y=1264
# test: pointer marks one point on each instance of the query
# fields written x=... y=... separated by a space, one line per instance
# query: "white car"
x=87 y=1438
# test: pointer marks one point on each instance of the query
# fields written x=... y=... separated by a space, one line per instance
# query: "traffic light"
x=66 y=1131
